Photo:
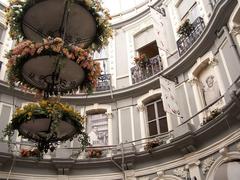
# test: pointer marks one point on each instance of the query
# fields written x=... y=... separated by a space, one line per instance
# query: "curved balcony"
x=184 y=43
x=104 y=82
x=152 y=68
x=138 y=154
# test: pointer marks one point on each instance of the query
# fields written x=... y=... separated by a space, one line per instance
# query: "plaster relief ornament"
x=206 y=164
x=181 y=172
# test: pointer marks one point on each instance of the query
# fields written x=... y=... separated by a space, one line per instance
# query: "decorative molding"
x=235 y=29
x=206 y=164
x=223 y=151
x=160 y=173
x=109 y=115
x=141 y=107
x=219 y=161
x=238 y=146
x=97 y=106
x=181 y=172
x=213 y=62
x=193 y=81
x=150 y=94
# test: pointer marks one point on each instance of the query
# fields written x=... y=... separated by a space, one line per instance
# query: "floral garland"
x=17 y=9
x=48 y=109
x=94 y=153
x=185 y=29
x=26 y=50
x=141 y=61
x=152 y=144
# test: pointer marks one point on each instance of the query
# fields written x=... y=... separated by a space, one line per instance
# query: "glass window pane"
x=151 y=112
x=97 y=127
x=163 y=125
x=153 y=128
x=161 y=111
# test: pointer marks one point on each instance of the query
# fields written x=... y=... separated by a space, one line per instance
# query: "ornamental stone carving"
x=141 y=108
x=213 y=62
x=206 y=164
x=181 y=172
x=235 y=29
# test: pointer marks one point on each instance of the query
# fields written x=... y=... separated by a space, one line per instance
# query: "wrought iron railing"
x=153 y=67
x=104 y=82
x=185 y=42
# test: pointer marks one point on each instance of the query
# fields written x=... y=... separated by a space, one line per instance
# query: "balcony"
x=185 y=42
x=104 y=82
x=139 y=74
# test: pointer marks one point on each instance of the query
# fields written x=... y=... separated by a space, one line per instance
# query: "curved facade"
x=126 y=111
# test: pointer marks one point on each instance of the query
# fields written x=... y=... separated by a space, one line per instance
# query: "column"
x=194 y=170
x=130 y=175
x=194 y=83
x=110 y=127
x=236 y=32
x=169 y=121
x=141 y=109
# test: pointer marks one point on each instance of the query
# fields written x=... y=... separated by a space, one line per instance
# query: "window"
x=150 y=50
x=1 y=65
x=156 y=118
x=228 y=171
x=97 y=128
x=192 y=14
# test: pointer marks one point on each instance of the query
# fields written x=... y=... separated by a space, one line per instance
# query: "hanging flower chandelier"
x=37 y=66
x=47 y=123
x=56 y=39
x=90 y=28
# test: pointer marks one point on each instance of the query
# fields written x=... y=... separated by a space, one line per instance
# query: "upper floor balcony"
x=186 y=41
x=104 y=82
x=153 y=67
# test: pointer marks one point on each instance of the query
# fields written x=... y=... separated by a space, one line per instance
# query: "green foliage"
x=55 y=111
x=185 y=29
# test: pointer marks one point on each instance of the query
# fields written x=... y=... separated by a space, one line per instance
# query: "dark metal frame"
x=184 y=43
x=153 y=67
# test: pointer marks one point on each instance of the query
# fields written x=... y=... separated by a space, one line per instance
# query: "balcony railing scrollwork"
x=104 y=82
x=185 y=42
x=153 y=67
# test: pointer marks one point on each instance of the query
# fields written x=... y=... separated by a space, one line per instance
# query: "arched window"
x=156 y=118
x=97 y=129
x=99 y=125
x=228 y=171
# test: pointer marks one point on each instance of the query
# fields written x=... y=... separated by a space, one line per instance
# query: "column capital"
x=160 y=173
x=141 y=107
x=213 y=62
x=194 y=163
x=193 y=81
x=235 y=29
x=109 y=115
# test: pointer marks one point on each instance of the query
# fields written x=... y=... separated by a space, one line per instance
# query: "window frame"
x=157 y=118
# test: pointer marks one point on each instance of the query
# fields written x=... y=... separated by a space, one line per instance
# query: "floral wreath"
x=17 y=9
x=49 y=109
x=26 y=50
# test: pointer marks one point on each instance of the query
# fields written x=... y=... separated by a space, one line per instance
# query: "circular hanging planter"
x=52 y=67
x=84 y=23
x=47 y=123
